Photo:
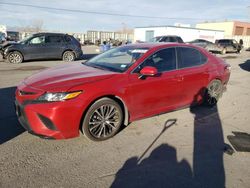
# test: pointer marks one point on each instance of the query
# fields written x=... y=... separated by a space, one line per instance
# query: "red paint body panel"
x=142 y=97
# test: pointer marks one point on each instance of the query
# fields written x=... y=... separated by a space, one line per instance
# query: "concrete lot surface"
x=190 y=153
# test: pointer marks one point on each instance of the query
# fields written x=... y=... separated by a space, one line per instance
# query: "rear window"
x=189 y=57
x=179 y=39
x=67 y=38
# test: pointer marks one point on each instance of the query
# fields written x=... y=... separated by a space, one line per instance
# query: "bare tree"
x=37 y=25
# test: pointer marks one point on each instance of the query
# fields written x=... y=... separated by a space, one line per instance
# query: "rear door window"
x=189 y=57
x=172 y=39
x=179 y=39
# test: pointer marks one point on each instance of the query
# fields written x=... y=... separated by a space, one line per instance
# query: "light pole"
x=248 y=12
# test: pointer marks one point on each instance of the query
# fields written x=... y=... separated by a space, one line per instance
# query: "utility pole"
x=248 y=12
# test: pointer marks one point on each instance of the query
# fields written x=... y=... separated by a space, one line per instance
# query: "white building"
x=3 y=29
x=186 y=33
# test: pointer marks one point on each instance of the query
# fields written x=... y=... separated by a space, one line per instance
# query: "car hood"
x=62 y=78
x=7 y=44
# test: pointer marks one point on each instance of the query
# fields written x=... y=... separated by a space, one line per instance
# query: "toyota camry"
x=117 y=87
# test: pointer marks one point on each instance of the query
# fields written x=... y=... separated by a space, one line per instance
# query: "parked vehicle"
x=230 y=45
x=167 y=38
x=43 y=46
x=13 y=36
x=2 y=38
x=209 y=46
x=117 y=87
x=88 y=42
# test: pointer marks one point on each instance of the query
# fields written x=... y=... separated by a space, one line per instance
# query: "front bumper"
x=55 y=120
x=1 y=52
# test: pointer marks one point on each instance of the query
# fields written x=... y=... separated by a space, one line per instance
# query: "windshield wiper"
x=95 y=66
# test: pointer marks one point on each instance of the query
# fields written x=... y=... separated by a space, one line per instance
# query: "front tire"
x=102 y=120
x=15 y=57
x=68 y=56
x=213 y=93
x=239 y=51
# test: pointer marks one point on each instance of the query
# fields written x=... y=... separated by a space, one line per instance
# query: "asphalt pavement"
x=185 y=148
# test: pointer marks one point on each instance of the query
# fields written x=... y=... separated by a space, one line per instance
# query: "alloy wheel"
x=15 y=58
x=213 y=92
x=68 y=56
x=104 y=121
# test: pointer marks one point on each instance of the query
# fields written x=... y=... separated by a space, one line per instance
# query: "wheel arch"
x=206 y=94
x=68 y=49
x=117 y=99
x=212 y=79
x=14 y=50
x=215 y=78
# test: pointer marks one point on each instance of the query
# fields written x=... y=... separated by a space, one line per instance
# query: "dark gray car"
x=43 y=46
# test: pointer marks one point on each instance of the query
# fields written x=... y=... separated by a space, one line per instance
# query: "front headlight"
x=5 y=51
x=62 y=96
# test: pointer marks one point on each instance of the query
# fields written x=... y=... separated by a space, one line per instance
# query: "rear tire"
x=103 y=120
x=15 y=57
x=213 y=93
x=68 y=56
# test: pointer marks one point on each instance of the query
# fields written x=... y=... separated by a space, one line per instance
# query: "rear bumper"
x=78 y=53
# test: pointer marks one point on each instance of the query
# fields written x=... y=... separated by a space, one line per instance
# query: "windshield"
x=25 y=39
x=117 y=59
x=155 y=39
x=2 y=36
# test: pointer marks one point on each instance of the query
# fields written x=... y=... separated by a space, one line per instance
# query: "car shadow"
x=208 y=166
x=162 y=169
x=245 y=66
x=9 y=125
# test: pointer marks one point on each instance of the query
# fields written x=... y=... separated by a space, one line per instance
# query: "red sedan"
x=117 y=87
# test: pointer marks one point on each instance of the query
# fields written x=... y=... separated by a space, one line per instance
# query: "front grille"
x=22 y=116
x=21 y=93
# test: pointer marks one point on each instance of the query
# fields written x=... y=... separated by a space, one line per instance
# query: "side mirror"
x=149 y=71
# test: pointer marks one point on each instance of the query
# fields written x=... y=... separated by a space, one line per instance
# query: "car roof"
x=225 y=39
x=168 y=36
x=38 y=34
x=159 y=45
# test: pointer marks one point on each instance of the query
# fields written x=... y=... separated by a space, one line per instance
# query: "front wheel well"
x=116 y=99
x=15 y=51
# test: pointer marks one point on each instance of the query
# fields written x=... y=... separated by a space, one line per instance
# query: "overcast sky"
x=65 y=21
